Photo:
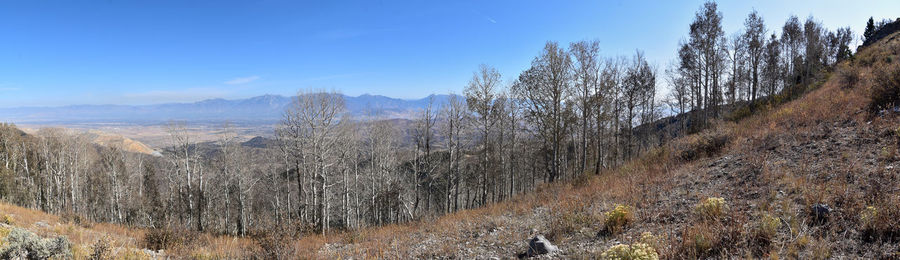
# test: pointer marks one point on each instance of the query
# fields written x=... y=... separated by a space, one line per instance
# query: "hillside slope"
x=812 y=178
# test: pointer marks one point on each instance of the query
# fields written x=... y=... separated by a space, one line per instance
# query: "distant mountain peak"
x=264 y=109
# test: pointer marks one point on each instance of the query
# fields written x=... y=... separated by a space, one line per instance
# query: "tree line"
x=571 y=112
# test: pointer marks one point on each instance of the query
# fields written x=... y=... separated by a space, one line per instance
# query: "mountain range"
x=260 y=109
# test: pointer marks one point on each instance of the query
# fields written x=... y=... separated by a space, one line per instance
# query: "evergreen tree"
x=870 y=29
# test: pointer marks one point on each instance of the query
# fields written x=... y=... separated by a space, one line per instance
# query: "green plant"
x=764 y=231
x=867 y=217
x=7 y=219
x=650 y=239
x=636 y=251
x=21 y=244
x=617 y=219
x=711 y=208
x=699 y=240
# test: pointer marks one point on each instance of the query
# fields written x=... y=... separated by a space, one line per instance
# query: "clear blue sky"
x=139 y=52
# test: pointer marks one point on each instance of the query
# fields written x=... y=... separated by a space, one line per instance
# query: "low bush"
x=699 y=240
x=101 y=250
x=164 y=239
x=570 y=222
x=764 y=231
x=636 y=251
x=847 y=76
x=701 y=145
x=22 y=244
x=274 y=244
x=76 y=219
x=885 y=92
x=880 y=222
x=3 y=233
x=711 y=208
x=7 y=219
x=867 y=217
x=617 y=219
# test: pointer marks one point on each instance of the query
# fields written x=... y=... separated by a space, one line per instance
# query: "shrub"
x=163 y=239
x=76 y=219
x=570 y=222
x=711 y=208
x=880 y=222
x=847 y=77
x=7 y=219
x=3 y=233
x=100 y=250
x=636 y=251
x=867 y=217
x=617 y=219
x=274 y=244
x=699 y=240
x=650 y=239
x=885 y=92
x=21 y=244
x=701 y=145
x=764 y=232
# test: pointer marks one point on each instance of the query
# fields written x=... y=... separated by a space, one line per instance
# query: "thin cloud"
x=9 y=89
x=243 y=80
x=486 y=17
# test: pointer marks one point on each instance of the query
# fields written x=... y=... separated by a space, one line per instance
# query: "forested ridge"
x=574 y=113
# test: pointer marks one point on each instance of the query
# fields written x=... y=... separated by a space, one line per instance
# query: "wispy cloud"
x=486 y=17
x=243 y=80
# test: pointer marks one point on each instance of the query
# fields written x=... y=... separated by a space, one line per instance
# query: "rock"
x=539 y=246
x=41 y=224
x=820 y=212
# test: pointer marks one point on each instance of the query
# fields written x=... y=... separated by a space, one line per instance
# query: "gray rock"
x=820 y=212
x=539 y=246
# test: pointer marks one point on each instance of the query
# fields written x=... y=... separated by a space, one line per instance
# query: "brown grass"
x=754 y=164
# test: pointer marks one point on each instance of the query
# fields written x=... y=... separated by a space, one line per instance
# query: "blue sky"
x=140 y=52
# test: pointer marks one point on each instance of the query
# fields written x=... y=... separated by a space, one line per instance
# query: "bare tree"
x=544 y=88
x=454 y=120
x=313 y=121
x=480 y=94
x=586 y=77
x=755 y=38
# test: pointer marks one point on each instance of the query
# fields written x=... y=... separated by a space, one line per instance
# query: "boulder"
x=539 y=246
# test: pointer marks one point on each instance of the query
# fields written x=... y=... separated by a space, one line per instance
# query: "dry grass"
x=769 y=169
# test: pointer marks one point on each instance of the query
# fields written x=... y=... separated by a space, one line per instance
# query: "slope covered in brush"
x=809 y=178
